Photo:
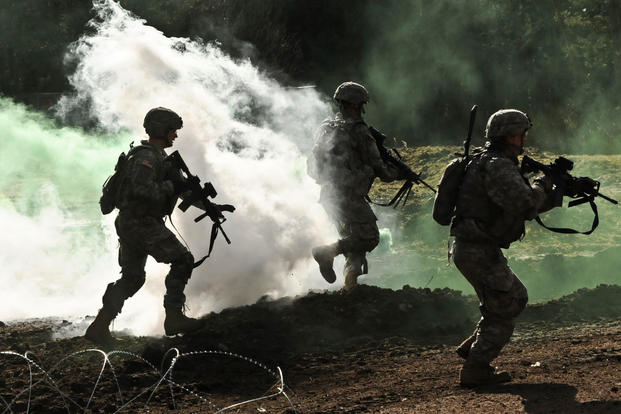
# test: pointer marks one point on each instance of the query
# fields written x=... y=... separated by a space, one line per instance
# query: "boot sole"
x=462 y=353
x=327 y=272
x=101 y=341
x=497 y=379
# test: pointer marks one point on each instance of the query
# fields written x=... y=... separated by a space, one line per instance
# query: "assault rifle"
x=410 y=176
x=581 y=189
x=201 y=194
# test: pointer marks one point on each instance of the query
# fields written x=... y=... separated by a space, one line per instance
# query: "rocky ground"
x=373 y=350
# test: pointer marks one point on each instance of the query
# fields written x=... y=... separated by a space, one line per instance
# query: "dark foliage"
x=425 y=62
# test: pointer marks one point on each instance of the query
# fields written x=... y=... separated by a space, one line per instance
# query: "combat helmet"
x=351 y=92
x=507 y=123
x=160 y=120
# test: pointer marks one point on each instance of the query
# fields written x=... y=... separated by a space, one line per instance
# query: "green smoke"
x=57 y=248
x=37 y=154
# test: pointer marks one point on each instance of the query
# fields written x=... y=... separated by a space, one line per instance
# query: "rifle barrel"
x=427 y=185
x=612 y=200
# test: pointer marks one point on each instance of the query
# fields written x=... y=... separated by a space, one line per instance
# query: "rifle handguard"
x=186 y=203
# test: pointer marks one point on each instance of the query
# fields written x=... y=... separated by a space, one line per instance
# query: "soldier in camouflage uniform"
x=149 y=192
x=493 y=203
x=345 y=161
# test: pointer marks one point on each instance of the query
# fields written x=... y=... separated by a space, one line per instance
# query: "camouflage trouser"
x=357 y=228
x=501 y=294
x=356 y=240
x=140 y=237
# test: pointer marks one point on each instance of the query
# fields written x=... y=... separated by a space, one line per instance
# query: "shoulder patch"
x=147 y=163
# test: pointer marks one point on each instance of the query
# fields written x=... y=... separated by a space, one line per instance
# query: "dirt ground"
x=374 y=350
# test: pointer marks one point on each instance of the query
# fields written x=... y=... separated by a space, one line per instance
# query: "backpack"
x=111 y=189
x=446 y=197
x=329 y=140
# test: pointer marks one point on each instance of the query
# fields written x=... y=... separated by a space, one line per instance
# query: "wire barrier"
x=163 y=379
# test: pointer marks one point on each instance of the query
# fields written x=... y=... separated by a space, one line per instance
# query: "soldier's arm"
x=371 y=156
x=144 y=179
x=507 y=188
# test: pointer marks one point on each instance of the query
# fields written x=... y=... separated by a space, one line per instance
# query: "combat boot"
x=355 y=265
x=324 y=256
x=177 y=323
x=351 y=282
x=473 y=374
x=99 y=330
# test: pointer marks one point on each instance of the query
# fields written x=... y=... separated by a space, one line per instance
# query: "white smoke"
x=242 y=131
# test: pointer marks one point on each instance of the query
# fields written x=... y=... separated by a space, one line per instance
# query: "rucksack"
x=445 y=201
x=448 y=190
x=111 y=189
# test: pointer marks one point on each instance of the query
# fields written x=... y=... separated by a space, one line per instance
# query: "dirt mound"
x=584 y=305
x=333 y=320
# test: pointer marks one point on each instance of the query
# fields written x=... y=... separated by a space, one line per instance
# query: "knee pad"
x=133 y=285
x=185 y=260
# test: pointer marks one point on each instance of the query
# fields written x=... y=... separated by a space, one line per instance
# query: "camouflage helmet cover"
x=161 y=120
x=351 y=92
x=507 y=123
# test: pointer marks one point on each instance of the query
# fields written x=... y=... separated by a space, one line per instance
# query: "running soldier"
x=345 y=161
x=493 y=203
x=149 y=192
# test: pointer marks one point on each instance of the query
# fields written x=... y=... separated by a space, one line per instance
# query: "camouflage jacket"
x=495 y=199
x=345 y=159
x=148 y=188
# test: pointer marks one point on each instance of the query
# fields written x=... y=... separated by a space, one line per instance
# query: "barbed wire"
x=163 y=374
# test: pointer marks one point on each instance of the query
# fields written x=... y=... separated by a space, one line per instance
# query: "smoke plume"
x=243 y=131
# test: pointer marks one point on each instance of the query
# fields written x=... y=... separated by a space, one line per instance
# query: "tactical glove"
x=545 y=182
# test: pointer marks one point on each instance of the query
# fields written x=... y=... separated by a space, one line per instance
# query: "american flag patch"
x=146 y=163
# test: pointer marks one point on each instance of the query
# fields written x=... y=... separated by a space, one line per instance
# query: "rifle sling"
x=572 y=231
x=400 y=197
x=212 y=239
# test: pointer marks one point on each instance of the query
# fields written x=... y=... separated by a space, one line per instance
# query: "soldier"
x=493 y=203
x=345 y=161
x=149 y=192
